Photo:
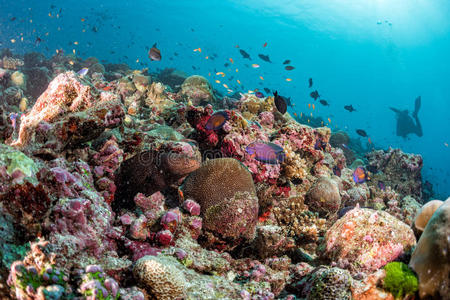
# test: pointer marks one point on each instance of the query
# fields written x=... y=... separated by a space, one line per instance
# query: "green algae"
x=400 y=280
x=15 y=160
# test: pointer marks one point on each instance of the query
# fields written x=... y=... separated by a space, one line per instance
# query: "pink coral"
x=67 y=94
x=364 y=240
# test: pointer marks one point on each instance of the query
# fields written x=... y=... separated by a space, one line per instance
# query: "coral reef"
x=323 y=197
x=401 y=170
x=224 y=189
x=425 y=213
x=159 y=277
x=431 y=257
x=364 y=240
x=114 y=185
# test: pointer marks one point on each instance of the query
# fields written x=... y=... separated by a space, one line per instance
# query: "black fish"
x=267 y=90
x=226 y=65
x=315 y=95
x=287 y=61
x=264 y=57
x=244 y=54
x=361 y=132
x=38 y=40
x=350 y=108
x=94 y=29
x=13 y=19
x=175 y=53
x=310 y=81
x=289 y=68
x=324 y=102
x=280 y=103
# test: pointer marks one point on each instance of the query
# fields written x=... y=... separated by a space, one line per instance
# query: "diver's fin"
x=417 y=106
x=395 y=110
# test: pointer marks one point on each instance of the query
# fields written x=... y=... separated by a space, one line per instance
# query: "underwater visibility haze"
x=294 y=149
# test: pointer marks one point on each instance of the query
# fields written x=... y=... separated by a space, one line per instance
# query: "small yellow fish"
x=75 y=43
x=13 y=41
x=73 y=50
x=84 y=30
x=237 y=70
x=71 y=62
x=221 y=74
x=31 y=21
x=21 y=38
x=238 y=81
x=230 y=90
x=49 y=14
x=308 y=120
x=250 y=92
x=329 y=121
x=311 y=114
x=255 y=66
x=137 y=60
x=23 y=104
x=217 y=81
x=321 y=123
x=225 y=86
x=207 y=57
x=198 y=50
x=288 y=79
x=46 y=34
x=260 y=77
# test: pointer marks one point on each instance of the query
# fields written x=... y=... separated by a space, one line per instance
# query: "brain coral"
x=160 y=277
x=425 y=213
x=323 y=197
x=224 y=189
x=328 y=283
x=197 y=89
x=431 y=258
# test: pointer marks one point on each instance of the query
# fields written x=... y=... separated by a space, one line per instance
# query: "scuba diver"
x=405 y=124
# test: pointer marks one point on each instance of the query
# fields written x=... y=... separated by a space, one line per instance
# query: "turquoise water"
x=340 y=44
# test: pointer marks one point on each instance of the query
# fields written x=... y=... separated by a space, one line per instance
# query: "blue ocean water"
x=373 y=54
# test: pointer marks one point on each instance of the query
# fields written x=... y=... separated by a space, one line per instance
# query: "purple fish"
x=217 y=120
x=359 y=175
x=259 y=95
x=381 y=185
x=13 y=118
x=83 y=72
x=337 y=171
x=266 y=152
